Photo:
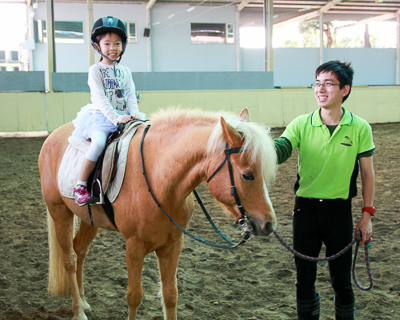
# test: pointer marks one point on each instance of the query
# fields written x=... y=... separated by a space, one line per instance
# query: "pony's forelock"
x=258 y=144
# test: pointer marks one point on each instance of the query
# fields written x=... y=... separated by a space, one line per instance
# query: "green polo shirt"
x=327 y=164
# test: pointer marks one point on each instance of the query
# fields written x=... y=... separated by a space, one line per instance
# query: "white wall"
x=74 y=57
x=372 y=66
x=171 y=50
x=171 y=46
x=295 y=67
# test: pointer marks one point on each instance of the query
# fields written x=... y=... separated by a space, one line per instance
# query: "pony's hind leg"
x=168 y=259
x=63 y=220
x=84 y=237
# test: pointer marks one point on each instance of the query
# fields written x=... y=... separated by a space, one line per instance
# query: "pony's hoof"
x=86 y=306
x=80 y=316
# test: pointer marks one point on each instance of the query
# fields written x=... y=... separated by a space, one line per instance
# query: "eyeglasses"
x=325 y=85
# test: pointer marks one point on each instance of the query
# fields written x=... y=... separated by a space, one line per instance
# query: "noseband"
x=243 y=221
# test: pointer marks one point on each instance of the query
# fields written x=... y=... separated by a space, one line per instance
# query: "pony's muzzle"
x=261 y=228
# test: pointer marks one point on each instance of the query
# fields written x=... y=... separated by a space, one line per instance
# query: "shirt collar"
x=317 y=122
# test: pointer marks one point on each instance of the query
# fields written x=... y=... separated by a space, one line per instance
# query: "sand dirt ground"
x=255 y=281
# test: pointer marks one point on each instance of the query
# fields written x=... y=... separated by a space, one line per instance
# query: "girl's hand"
x=124 y=119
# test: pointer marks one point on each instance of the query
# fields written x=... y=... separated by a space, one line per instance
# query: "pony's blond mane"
x=178 y=117
x=257 y=139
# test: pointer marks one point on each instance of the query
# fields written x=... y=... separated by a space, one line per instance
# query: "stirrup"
x=101 y=195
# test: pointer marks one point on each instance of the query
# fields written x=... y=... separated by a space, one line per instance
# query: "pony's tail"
x=58 y=276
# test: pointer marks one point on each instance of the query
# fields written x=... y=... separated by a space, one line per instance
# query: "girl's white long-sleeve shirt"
x=112 y=91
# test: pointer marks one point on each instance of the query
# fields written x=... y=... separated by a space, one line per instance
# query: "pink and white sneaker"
x=82 y=196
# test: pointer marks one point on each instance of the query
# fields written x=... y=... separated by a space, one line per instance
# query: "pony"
x=182 y=149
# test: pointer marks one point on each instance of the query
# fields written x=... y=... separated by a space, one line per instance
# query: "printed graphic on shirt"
x=347 y=142
x=116 y=87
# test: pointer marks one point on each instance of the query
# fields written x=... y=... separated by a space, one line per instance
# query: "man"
x=333 y=144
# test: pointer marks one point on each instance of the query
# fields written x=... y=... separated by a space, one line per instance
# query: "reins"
x=242 y=221
x=356 y=241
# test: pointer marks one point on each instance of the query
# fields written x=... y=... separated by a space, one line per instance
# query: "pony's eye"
x=248 y=176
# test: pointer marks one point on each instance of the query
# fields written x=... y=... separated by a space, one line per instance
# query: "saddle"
x=106 y=167
x=110 y=164
x=106 y=180
x=110 y=169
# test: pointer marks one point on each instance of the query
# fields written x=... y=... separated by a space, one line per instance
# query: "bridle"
x=242 y=221
x=228 y=151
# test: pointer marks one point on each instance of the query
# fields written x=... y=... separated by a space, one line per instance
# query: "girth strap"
x=108 y=209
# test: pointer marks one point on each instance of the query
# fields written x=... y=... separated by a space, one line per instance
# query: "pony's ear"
x=231 y=135
x=245 y=115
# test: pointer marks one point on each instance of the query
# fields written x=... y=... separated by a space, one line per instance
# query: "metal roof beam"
x=310 y=15
x=373 y=19
x=382 y=17
x=304 y=3
x=333 y=12
x=150 y=4
x=243 y=4
x=369 y=4
x=371 y=8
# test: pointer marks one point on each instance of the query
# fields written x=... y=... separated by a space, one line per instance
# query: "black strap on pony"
x=228 y=152
x=108 y=209
x=247 y=231
x=96 y=174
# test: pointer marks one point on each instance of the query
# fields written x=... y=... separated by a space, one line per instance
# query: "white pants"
x=99 y=139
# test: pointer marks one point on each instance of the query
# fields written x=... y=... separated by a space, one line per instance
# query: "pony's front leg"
x=84 y=237
x=168 y=259
x=135 y=253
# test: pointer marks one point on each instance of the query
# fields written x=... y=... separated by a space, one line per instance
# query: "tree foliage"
x=310 y=31
x=339 y=34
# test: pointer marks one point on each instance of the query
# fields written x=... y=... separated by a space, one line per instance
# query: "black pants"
x=317 y=221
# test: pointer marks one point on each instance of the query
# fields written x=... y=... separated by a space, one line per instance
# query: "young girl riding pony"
x=112 y=92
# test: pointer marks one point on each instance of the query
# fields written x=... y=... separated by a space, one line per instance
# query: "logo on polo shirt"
x=347 y=142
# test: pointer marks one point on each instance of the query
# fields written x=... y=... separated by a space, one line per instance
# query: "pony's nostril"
x=268 y=228
x=261 y=229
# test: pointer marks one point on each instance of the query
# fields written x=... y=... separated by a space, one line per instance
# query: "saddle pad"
x=72 y=161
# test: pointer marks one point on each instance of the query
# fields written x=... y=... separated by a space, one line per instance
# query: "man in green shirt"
x=333 y=145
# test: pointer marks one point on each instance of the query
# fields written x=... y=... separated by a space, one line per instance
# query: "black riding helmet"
x=106 y=25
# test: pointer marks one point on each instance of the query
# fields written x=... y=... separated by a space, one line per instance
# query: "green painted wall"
x=23 y=111
x=39 y=111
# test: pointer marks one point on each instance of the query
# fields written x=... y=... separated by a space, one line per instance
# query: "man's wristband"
x=370 y=210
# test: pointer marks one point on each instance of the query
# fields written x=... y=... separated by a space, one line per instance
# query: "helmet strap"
x=96 y=47
x=113 y=61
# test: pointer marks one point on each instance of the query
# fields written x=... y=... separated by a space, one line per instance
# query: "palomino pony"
x=181 y=149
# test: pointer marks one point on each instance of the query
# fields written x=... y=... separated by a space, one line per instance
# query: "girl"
x=113 y=97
